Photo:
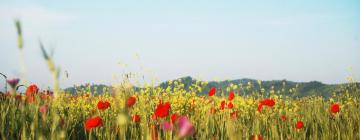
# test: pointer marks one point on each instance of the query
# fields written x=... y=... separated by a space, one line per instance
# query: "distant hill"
x=283 y=86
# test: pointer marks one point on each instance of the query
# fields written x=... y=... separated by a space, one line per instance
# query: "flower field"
x=176 y=113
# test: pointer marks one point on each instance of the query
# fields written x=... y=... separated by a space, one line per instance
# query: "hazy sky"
x=298 y=40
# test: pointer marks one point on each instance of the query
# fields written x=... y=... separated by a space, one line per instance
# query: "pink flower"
x=13 y=82
x=43 y=109
x=167 y=126
x=185 y=127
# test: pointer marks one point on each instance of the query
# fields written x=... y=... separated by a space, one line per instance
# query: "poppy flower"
x=93 y=122
x=268 y=102
x=230 y=105
x=231 y=96
x=162 y=109
x=212 y=91
x=136 y=119
x=131 y=101
x=234 y=115
x=173 y=118
x=335 y=108
x=299 y=124
x=102 y=105
x=31 y=90
x=13 y=82
x=222 y=105
x=30 y=93
x=283 y=117
x=258 y=137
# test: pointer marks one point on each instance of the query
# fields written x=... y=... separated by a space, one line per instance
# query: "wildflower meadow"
x=174 y=110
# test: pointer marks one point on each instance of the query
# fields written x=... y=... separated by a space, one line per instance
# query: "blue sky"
x=96 y=42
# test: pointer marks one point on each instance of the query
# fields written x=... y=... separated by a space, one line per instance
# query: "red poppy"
x=162 y=109
x=335 y=108
x=173 y=118
x=234 y=115
x=230 y=105
x=258 y=137
x=102 y=105
x=136 y=119
x=299 y=124
x=31 y=90
x=231 y=96
x=30 y=93
x=268 y=102
x=212 y=91
x=131 y=101
x=283 y=117
x=93 y=122
x=222 y=105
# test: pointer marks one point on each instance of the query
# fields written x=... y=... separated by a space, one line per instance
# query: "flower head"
x=231 y=95
x=102 y=105
x=234 y=115
x=93 y=122
x=131 y=101
x=167 y=126
x=31 y=90
x=185 y=127
x=43 y=109
x=173 y=118
x=222 y=105
x=136 y=119
x=268 y=102
x=162 y=109
x=335 y=108
x=13 y=82
x=230 y=105
x=299 y=124
x=30 y=93
x=212 y=91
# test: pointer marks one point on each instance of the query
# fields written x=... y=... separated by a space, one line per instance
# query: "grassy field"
x=155 y=113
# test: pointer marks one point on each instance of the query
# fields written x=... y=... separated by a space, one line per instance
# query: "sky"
x=97 y=42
